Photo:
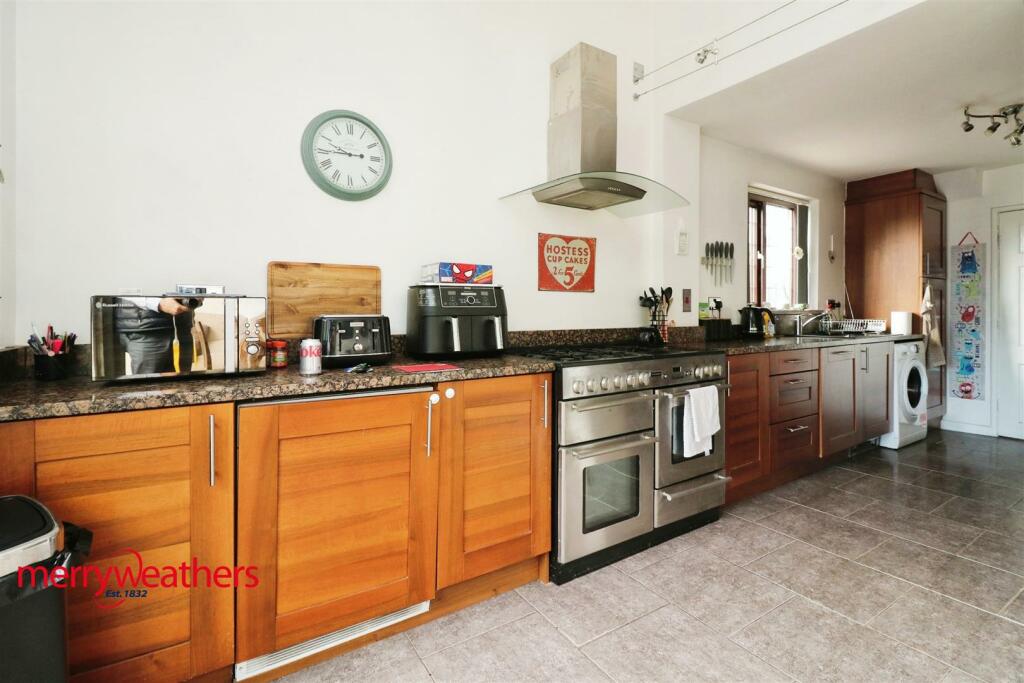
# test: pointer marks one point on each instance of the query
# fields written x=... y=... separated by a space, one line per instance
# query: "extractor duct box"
x=582 y=137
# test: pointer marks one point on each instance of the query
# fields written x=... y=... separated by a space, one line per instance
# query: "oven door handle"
x=675 y=396
x=644 y=440
x=719 y=477
x=612 y=404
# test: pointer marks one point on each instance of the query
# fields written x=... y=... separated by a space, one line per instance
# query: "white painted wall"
x=971 y=196
x=727 y=171
x=8 y=335
x=161 y=145
x=158 y=143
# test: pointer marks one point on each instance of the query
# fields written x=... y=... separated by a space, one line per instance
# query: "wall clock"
x=346 y=155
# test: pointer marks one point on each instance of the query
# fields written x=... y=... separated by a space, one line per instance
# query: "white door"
x=1010 y=325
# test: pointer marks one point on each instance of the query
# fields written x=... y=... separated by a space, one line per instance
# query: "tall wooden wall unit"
x=895 y=248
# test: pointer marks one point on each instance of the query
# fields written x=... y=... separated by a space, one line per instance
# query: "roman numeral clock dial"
x=346 y=155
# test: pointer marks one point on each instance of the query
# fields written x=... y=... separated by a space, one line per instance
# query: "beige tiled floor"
x=894 y=566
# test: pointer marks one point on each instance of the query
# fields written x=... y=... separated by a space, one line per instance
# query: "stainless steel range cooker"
x=622 y=483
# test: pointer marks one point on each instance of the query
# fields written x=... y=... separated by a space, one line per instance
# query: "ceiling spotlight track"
x=997 y=119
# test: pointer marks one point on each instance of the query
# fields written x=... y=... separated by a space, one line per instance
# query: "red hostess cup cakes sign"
x=565 y=263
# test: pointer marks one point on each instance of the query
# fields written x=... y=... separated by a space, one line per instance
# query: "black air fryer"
x=453 y=321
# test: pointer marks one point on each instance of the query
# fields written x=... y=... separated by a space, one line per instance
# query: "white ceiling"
x=886 y=98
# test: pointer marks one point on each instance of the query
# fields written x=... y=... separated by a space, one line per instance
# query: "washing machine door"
x=912 y=394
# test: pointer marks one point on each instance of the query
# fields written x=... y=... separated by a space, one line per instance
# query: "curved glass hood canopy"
x=624 y=194
x=582 y=137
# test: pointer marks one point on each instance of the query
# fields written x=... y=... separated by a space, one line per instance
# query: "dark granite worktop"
x=737 y=347
x=26 y=399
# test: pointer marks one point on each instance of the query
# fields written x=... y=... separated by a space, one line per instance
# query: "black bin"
x=32 y=628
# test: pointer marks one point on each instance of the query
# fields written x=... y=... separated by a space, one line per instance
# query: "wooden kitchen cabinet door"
x=495 y=482
x=159 y=483
x=337 y=508
x=876 y=390
x=839 y=410
x=747 y=419
x=933 y=237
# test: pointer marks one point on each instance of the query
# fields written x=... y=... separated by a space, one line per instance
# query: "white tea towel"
x=700 y=420
x=934 y=354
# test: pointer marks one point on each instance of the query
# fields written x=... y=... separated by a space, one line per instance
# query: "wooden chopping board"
x=298 y=292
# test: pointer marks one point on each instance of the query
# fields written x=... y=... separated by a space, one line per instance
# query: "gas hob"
x=599 y=370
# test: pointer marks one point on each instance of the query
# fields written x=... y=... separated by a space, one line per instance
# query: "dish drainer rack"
x=831 y=326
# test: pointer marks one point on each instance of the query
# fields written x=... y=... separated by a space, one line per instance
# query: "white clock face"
x=349 y=155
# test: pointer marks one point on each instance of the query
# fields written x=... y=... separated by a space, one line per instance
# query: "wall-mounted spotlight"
x=997 y=119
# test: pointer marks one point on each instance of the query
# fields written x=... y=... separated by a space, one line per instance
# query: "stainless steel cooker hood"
x=582 y=132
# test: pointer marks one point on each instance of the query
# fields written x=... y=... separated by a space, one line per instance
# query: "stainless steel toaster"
x=353 y=339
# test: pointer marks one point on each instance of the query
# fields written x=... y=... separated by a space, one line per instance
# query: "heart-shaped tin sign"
x=565 y=263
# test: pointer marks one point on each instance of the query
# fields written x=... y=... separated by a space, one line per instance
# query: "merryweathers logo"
x=126 y=582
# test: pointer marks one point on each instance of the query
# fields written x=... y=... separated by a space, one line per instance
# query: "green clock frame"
x=310 y=164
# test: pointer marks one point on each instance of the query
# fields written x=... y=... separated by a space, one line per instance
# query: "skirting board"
x=967 y=427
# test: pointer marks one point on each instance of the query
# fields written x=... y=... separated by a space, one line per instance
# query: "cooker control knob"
x=577 y=387
x=699 y=372
x=631 y=380
x=252 y=349
x=718 y=370
x=591 y=385
x=357 y=347
x=618 y=381
x=604 y=384
x=645 y=378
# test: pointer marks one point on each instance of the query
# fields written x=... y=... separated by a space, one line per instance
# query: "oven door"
x=605 y=494
x=670 y=465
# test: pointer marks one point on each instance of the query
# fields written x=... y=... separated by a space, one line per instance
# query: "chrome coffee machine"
x=450 y=321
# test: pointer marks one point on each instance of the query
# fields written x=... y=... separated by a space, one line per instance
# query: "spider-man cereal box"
x=457 y=273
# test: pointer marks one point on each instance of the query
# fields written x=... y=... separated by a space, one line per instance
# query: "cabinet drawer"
x=688 y=498
x=134 y=430
x=794 y=395
x=782 y=362
x=794 y=442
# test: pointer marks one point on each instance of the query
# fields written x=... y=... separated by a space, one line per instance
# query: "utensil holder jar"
x=53 y=367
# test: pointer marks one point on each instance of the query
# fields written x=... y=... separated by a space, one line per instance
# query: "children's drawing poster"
x=968 y=346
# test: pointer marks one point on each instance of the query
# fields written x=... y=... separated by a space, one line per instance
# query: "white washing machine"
x=910 y=396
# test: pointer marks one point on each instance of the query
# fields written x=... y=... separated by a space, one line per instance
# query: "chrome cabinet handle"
x=796 y=381
x=728 y=379
x=449 y=392
x=793 y=430
x=213 y=450
x=431 y=402
x=456 y=341
x=583 y=455
x=499 y=342
x=610 y=404
x=794 y=360
x=544 y=415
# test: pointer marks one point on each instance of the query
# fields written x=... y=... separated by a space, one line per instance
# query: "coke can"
x=310 y=355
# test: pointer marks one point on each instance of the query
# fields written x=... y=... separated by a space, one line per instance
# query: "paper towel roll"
x=901 y=321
